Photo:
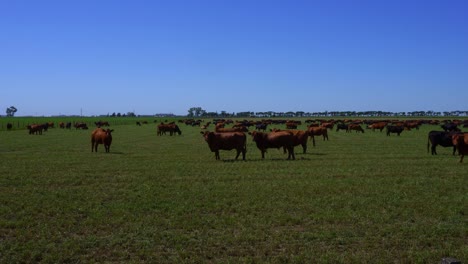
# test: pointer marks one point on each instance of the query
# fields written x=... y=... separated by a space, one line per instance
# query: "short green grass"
x=357 y=198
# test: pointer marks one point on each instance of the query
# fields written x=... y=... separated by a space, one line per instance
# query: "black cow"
x=450 y=127
x=394 y=129
x=442 y=138
x=342 y=127
x=9 y=126
x=261 y=126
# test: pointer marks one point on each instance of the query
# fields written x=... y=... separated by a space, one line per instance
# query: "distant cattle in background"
x=62 y=125
x=101 y=136
x=450 y=127
x=101 y=123
x=68 y=125
x=138 y=123
x=231 y=129
x=9 y=126
x=442 y=138
x=81 y=125
x=226 y=141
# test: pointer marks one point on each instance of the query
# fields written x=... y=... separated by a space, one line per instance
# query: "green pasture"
x=357 y=198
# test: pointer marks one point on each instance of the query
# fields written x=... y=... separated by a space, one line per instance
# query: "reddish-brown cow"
x=317 y=131
x=378 y=125
x=226 y=141
x=355 y=127
x=274 y=140
x=171 y=128
x=101 y=136
x=300 y=138
x=460 y=141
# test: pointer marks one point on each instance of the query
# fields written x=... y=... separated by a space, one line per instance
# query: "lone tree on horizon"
x=10 y=111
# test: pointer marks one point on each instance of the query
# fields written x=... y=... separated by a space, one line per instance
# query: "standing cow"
x=394 y=129
x=317 y=131
x=300 y=138
x=460 y=141
x=101 y=136
x=226 y=141
x=442 y=138
x=274 y=140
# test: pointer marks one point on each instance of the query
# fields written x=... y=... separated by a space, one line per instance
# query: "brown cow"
x=35 y=129
x=274 y=140
x=171 y=128
x=317 y=131
x=378 y=125
x=300 y=138
x=81 y=125
x=354 y=127
x=327 y=124
x=101 y=136
x=460 y=141
x=226 y=141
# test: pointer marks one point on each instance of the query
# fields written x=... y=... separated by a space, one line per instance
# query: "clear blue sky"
x=159 y=56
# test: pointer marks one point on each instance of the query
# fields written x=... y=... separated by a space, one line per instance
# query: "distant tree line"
x=199 y=112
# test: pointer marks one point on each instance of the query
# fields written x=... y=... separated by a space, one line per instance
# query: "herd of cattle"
x=234 y=137
x=229 y=134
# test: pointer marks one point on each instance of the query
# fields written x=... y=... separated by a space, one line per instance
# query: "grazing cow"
x=300 y=138
x=9 y=126
x=226 y=141
x=171 y=128
x=394 y=129
x=460 y=141
x=68 y=125
x=378 y=125
x=101 y=136
x=291 y=125
x=450 y=127
x=274 y=140
x=317 y=131
x=138 y=123
x=80 y=125
x=62 y=125
x=354 y=127
x=101 y=123
x=261 y=126
x=35 y=129
x=442 y=138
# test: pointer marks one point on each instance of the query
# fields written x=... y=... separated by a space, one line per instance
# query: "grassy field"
x=357 y=198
